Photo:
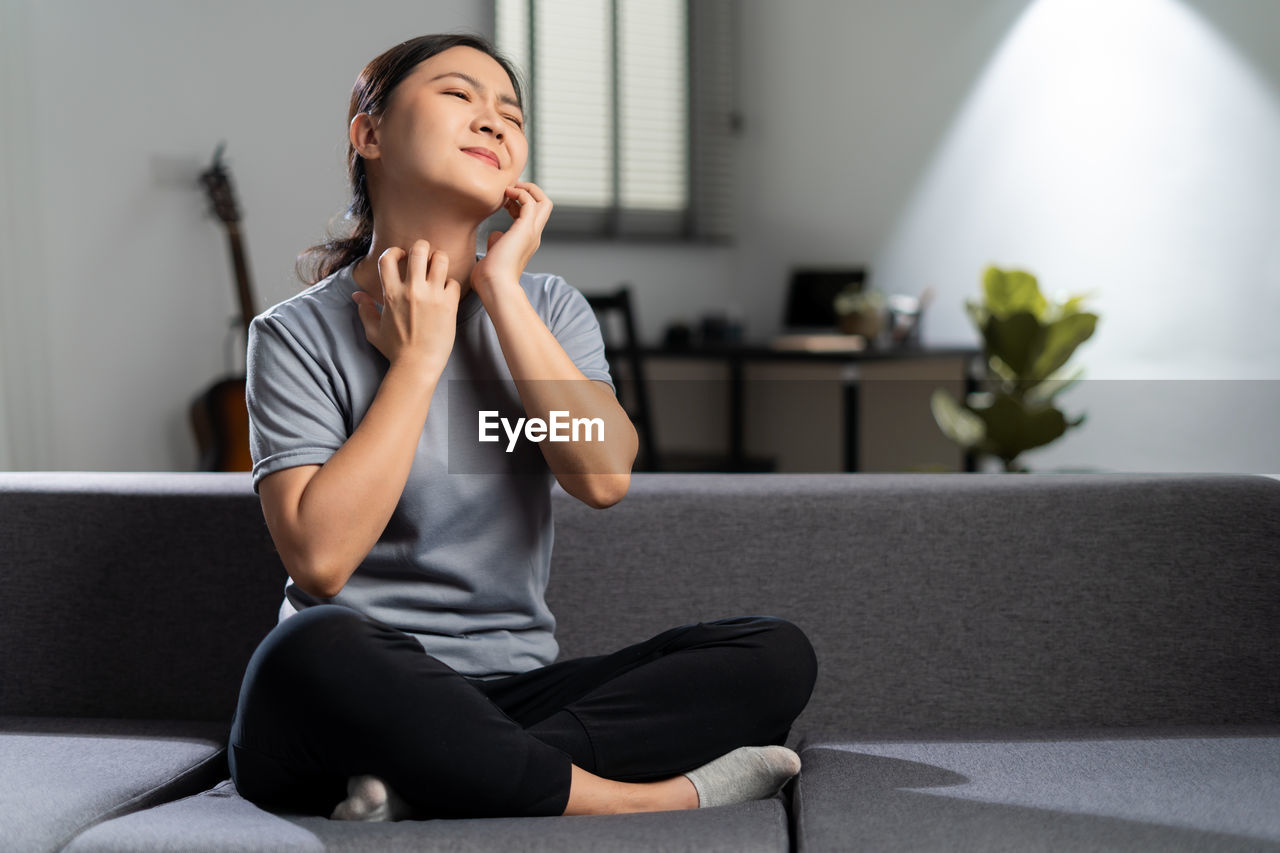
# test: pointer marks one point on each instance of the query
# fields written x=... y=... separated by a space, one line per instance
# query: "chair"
x=618 y=304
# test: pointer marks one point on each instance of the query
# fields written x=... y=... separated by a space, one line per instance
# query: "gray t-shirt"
x=464 y=561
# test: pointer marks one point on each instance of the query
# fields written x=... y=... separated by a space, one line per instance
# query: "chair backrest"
x=618 y=304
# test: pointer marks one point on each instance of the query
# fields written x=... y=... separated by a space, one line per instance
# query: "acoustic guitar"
x=219 y=416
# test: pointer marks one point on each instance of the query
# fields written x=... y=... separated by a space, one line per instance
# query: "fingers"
x=438 y=271
x=419 y=258
x=527 y=199
x=389 y=272
x=424 y=265
x=418 y=310
x=368 y=311
x=534 y=191
x=517 y=198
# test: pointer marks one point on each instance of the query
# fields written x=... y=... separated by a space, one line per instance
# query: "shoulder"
x=554 y=298
x=313 y=314
x=542 y=285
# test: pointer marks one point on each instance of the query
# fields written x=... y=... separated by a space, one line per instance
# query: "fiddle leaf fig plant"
x=1027 y=340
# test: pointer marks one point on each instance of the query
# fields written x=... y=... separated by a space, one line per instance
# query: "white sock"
x=747 y=773
x=369 y=798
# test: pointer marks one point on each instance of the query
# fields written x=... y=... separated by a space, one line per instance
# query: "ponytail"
x=324 y=259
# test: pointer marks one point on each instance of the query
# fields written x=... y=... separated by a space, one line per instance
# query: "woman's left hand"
x=509 y=251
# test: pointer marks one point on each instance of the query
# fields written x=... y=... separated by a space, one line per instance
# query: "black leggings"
x=331 y=693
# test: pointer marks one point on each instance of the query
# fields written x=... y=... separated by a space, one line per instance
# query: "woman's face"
x=452 y=125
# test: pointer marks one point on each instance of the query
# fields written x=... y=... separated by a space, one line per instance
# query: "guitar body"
x=220 y=420
x=219 y=416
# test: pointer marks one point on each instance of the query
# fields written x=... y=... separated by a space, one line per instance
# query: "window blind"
x=616 y=115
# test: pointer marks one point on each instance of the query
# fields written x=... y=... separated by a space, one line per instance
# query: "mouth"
x=484 y=154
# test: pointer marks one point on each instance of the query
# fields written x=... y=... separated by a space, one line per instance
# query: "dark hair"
x=371 y=93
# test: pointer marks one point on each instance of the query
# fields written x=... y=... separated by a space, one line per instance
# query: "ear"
x=363 y=133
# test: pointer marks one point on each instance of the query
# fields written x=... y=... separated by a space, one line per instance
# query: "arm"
x=324 y=519
x=596 y=472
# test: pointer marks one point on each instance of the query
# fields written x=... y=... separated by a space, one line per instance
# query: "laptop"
x=809 y=321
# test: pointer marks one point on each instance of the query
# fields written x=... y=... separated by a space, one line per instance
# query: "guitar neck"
x=239 y=261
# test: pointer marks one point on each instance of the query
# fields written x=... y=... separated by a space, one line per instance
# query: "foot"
x=369 y=798
x=748 y=773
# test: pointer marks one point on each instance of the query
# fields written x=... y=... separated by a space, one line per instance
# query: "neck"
x=444 y=229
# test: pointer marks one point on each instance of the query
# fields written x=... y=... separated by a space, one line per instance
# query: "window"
x=632 y=120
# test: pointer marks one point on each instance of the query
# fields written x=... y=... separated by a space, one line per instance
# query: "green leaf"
x=1016 y=339
x=978 y=400
x=1011 y=292
x=1042 y=393
x=1027 y=341
x=956 y=422
x=1002 y=371
x=1012 y=428
x=1072 y=305
x=1061 y=338
x=977 y=314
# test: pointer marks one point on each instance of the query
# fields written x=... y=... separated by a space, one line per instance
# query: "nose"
x=488 y=121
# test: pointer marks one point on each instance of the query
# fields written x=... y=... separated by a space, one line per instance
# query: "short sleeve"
x=576 y=328
x=293 y=416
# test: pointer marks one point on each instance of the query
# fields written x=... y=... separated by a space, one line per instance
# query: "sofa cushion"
x=62 y=775
x=220 y=821
x=1171 y=789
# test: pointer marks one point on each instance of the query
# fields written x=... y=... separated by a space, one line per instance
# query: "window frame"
x=707 y=217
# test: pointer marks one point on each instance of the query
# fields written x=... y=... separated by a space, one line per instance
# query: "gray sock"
x=369 y=798
x=747 y=773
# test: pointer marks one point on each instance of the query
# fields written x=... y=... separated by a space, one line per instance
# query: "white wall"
x=127 y=101
x=24 y=340
x=1129 y=147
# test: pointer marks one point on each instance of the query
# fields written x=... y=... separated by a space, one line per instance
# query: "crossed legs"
x=330 y=695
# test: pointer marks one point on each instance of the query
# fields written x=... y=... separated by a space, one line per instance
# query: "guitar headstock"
x=217 y=183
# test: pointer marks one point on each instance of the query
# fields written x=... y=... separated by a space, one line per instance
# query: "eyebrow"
x=479 y=87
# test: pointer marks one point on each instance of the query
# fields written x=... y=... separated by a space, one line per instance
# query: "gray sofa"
x=1056 y=662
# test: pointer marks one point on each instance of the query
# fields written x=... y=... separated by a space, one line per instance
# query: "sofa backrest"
x=131 y=595
x=934 y=601
x=953 y=602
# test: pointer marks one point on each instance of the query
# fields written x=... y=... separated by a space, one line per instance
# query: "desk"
x=737 y=355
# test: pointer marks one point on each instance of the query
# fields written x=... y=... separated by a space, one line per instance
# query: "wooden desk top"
x=766 y=351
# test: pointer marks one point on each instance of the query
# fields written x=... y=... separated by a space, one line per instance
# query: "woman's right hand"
x=419 y=310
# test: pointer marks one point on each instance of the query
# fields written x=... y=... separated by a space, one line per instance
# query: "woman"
x=412 y=673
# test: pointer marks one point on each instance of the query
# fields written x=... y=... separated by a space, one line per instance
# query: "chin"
x=480 y=202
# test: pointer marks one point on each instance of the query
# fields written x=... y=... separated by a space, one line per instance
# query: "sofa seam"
x=797 y=813
x=147 y=799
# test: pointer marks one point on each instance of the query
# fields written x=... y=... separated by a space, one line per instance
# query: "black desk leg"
x=737 y=454
x=851 y=426
x=970 y=386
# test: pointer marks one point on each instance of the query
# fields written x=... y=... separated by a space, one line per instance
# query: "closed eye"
x=466 y=96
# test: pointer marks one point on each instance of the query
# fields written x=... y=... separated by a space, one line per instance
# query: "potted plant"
x=1026 y=343
x=859 y=312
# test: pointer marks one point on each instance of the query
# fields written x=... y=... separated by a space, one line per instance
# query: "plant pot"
x=865 y=323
